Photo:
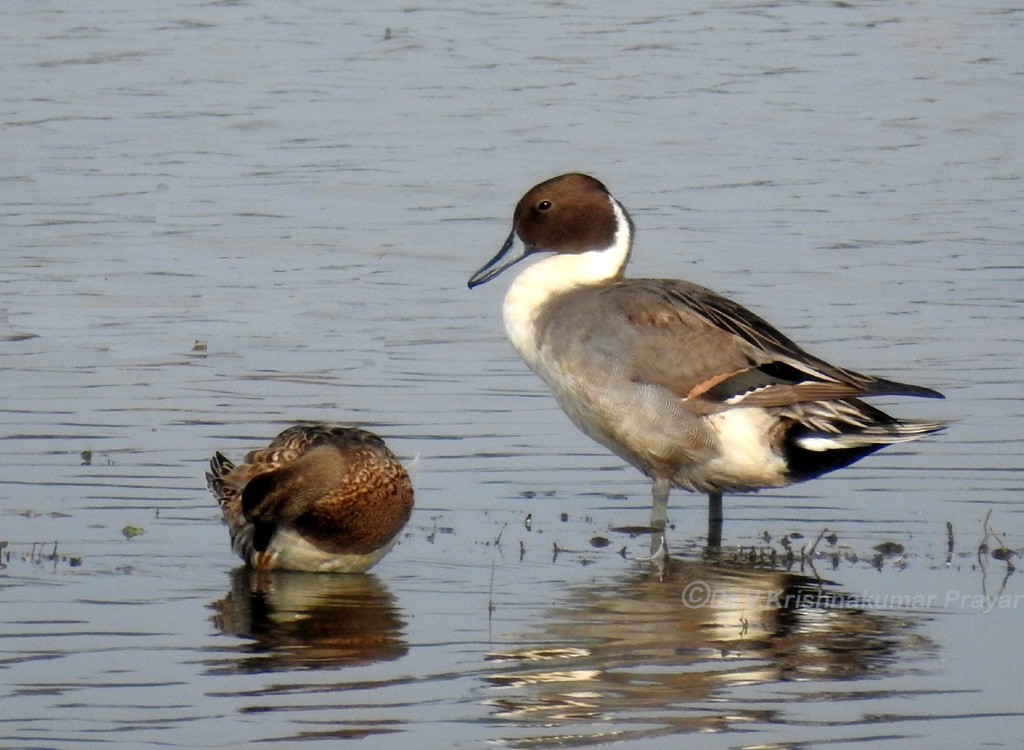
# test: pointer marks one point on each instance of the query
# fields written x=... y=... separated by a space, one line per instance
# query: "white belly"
x=743 y=458
x=288 y=550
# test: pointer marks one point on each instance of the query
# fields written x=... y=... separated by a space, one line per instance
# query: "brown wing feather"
x=285 y=493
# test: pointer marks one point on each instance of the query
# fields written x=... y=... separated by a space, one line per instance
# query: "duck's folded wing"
x=706 y=348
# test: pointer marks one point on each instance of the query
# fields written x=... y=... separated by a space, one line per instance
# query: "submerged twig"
x=949 y=542
x=814 y=546
x=497 y=540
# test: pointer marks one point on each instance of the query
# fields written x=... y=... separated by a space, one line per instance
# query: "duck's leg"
x=659 y=517
x=715 y=519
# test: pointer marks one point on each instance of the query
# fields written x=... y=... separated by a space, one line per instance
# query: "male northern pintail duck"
x=321 y=498
x=689 y=387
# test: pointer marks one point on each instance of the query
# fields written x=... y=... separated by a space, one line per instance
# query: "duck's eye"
x=544 y=205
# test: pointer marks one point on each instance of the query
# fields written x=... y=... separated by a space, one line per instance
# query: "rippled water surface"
x=221 y=217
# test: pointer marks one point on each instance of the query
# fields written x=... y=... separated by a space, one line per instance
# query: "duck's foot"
x=658 y=558
x=659 y=549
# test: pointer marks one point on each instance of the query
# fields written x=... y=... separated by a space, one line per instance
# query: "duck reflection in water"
x=306 y=621
x=660 y=651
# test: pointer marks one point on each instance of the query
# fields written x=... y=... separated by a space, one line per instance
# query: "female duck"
x=320 y=498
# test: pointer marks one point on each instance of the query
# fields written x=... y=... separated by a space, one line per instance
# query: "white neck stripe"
x=560 y=273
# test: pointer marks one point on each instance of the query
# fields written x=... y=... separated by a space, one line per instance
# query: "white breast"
x=288 y=550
